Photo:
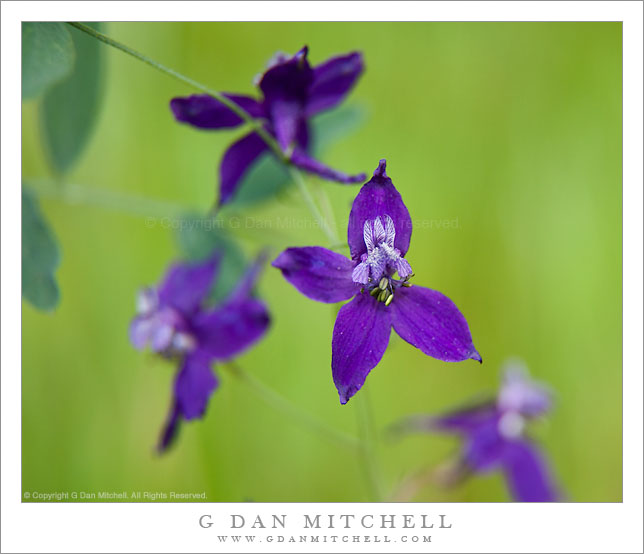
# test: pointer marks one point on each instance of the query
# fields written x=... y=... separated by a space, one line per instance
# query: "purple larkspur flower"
x=493 y=434
x=378 y=236
x=172 y=321
x=292 y=93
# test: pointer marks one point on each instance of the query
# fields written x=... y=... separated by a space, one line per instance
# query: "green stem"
x=232 y=106
x=257 y=126
x=104 y=198
x=368 y=453
x=310 y=202
x=278 y=402
x=328 y=211
x=158 y=213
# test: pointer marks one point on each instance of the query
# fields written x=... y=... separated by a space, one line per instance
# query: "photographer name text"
x=330 y=521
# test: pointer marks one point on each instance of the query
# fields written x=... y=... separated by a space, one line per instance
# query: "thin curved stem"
x=105 y=198
x=368 y=453
x=327 y=210
x=232 y=106
x=280 y=403
x=310 y=202
x=157 y=213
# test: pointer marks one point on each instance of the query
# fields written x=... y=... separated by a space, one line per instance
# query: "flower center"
x=511 y=425
x=162 y=327
x=520 y=394
x=382 y=259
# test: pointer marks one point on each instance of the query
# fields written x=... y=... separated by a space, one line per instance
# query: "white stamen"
x=146 y=301
x=361 y=273
x=382 y=258
x=511 y=425
x=367 y=234
x=183 y=342
x=390 y=231
x=378 y=231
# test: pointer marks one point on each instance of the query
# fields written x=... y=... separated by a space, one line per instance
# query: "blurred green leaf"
x=70 y=108
x=265 y=179
x=198 y=237
x=40 y=256
x=268 y=177
x=331 y=126
x=47 y=56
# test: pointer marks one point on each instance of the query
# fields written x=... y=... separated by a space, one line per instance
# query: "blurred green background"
x=510 y=132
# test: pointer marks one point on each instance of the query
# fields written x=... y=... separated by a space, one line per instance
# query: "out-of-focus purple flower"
x=493 y=437
x=293 y=92
x=379 y=234
x=172 y=321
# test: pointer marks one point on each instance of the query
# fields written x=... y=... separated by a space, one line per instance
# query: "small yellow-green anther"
x=383 y=295
x=390 y=299
x=406 y=284
x=383 y=283
x=375 y=291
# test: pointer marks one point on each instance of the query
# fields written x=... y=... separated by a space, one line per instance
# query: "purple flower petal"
x=332 y=81
x=171 y=428
x=302 y=136
x=527 y=474
x=287 y=118
x=231 y=328
x=194 y=384
x=484 y=446
x=206 y=112
x=185 y=285
x=288 y=78
x=285 y=86
x=360 y=338
x=302 y=160
x=377 y=198
x=464 y=421
x=141 y=331
x=236 y=161
x=318 y=273
x=431 y=322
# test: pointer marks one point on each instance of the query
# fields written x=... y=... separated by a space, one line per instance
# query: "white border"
x=173 y=527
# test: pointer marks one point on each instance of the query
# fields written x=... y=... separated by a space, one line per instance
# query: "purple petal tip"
x=476 y=356
x=176 y=108
x=381 y=169
x=303 y=52
x=347 y=393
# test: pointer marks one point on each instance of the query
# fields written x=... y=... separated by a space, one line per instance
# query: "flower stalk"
x=278 y=402
x=364 y=416
x=310 y=202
